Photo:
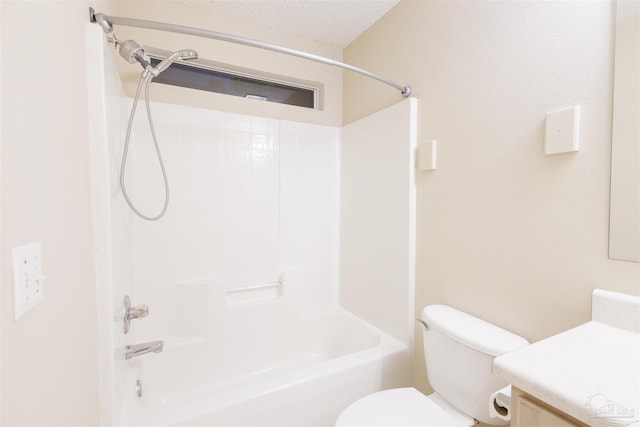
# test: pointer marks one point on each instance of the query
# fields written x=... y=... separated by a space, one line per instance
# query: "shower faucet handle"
x=131 y=313
x=138 y=312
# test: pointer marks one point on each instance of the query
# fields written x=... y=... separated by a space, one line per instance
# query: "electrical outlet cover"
x=27 y=278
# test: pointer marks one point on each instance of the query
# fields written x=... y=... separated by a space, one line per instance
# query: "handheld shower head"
x=133 y=52
x=184 y=54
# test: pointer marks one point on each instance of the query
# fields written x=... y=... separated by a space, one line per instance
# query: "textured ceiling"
x=333 y=22
x=627 y=9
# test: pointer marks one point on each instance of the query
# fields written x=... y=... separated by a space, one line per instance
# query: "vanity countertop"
x=591 y=372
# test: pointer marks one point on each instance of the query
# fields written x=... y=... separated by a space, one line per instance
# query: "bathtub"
x=288 y=370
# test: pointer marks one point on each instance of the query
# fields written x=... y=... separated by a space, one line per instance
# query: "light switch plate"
x=561 y=134
x=27 y=278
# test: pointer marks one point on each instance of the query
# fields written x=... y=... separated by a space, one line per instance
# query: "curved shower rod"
x=107 y=23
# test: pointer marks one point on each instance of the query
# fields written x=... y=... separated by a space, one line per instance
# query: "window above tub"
x=202 y=74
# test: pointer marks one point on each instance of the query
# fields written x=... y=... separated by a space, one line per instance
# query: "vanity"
x=588 y=375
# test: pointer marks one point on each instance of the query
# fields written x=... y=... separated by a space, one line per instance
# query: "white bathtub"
x=287 y=370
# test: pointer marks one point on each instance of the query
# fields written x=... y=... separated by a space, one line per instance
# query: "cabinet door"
x=530 y=414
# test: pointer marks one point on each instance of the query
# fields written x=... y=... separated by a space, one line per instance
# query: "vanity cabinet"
x=586 y=375
x=527 y=411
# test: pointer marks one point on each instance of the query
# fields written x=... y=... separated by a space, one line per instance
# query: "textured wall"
x=49 y=357
x=504 y=232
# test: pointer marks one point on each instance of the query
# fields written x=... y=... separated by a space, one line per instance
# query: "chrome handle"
x=138 y=312
x=131 y=313
x=139 y=388
x=136 y=350
x=424 y=324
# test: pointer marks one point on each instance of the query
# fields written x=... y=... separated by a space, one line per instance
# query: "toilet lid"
x=395 y=407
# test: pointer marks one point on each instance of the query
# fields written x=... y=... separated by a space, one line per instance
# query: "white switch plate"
x=562 y=129
x=27 y=278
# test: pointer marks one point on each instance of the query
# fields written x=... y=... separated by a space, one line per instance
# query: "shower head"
x=184 y=54
x=133 y=52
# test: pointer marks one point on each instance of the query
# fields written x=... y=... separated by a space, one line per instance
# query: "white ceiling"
x=333 y=22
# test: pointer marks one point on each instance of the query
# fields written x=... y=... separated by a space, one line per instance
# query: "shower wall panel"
x=378 y=219
x=253 y=215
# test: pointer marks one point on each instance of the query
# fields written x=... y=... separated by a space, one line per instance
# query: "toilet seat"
x=400 y=407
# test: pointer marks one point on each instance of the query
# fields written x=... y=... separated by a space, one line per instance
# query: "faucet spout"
x=136 y=350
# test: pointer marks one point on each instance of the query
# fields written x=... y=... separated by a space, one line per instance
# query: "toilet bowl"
x=403 y=407
x=459 y=351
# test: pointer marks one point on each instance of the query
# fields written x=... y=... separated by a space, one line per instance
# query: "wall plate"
x=562 y=131
x=27 y=278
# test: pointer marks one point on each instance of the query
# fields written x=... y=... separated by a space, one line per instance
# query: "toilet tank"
x=459 y=351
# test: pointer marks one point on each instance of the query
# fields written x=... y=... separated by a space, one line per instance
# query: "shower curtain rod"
x=107 y=23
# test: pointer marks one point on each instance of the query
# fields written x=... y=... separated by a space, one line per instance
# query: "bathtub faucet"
x=144 y=348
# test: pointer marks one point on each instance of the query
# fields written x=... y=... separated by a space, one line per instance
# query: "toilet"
x=459 y=350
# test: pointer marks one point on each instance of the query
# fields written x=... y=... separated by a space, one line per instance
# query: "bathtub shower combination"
x=277 y=288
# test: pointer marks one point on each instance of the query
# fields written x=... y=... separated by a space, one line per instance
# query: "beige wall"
x=1 y=260
x=234 y=54
x=49 y=372
x=504 y=232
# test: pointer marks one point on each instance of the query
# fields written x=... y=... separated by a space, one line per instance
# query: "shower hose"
x=145 y=79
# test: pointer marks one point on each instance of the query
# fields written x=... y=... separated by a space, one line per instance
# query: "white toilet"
x=459 y=350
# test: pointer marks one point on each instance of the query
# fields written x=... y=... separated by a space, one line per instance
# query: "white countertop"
x=591 y=372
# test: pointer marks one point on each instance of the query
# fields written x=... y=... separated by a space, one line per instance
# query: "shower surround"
x=245 y=276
